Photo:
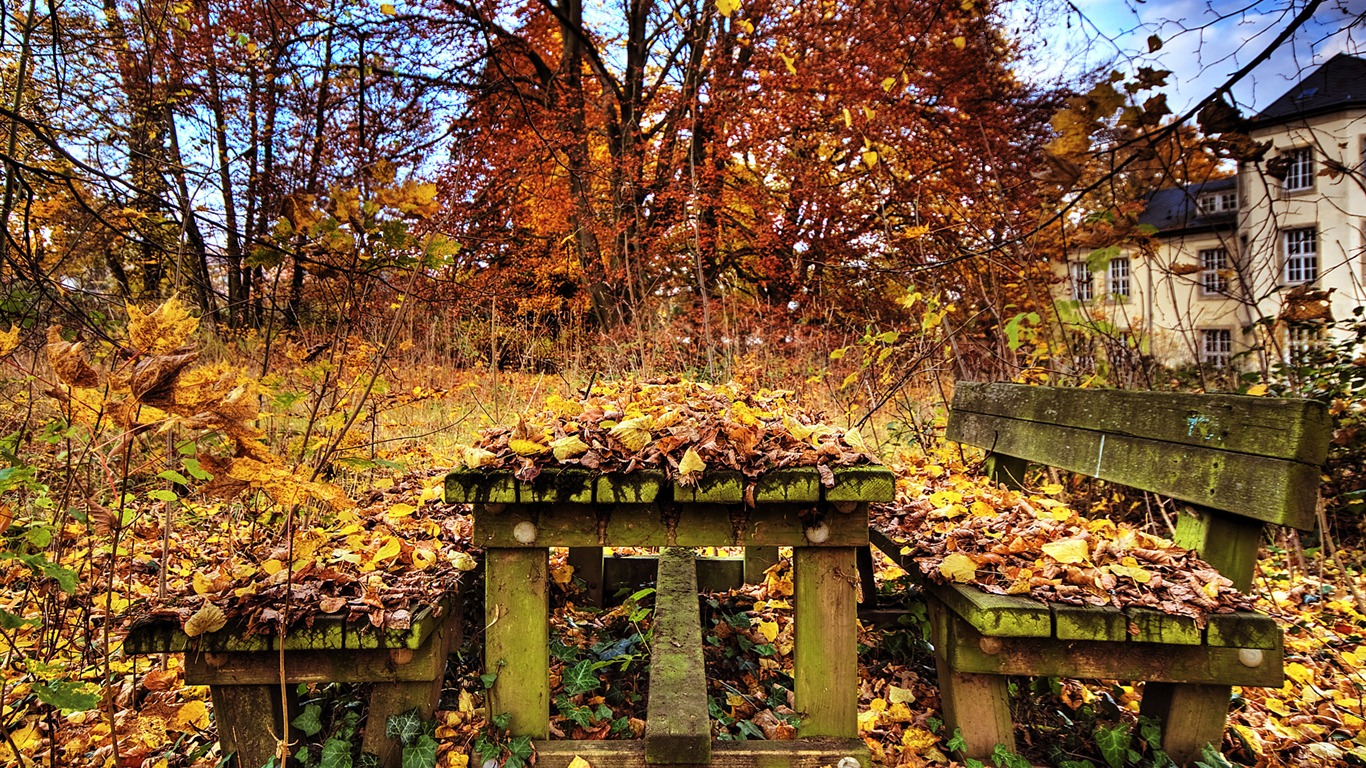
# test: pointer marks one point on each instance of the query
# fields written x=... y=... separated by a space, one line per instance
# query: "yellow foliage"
x=164 y=330
x=9 y=340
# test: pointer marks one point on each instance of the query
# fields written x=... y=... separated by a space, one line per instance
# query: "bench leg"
x=1191 y=716
x=826 y=664
x=387 y=699
x=978 y=707
x=758 y=560
x=517 y=638
x=587 y=563
x=867 y=577
x=248 y=719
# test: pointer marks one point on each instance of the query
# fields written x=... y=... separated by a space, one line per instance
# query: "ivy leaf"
x=581 y=678
x=368 y=760
x=1113 y=743
x=309 y=722
x=420 y=755
x=405 y=726
x=336 y=754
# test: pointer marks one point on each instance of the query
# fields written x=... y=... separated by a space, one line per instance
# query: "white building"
x=1245 y=270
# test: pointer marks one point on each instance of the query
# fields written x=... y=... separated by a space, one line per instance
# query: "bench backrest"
x=1251 y=458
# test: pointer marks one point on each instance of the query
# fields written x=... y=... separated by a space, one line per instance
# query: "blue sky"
x=1203 y=41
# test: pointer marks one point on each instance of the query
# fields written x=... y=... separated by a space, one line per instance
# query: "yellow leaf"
x=400 y=511
x=725 y=8
x=209 y=618
x=475 y=458
x=692 y=464
x=202 y=584
x=1068 y=551
x=527 y=447
x=981 y=509
x=769 y=629
x=389 y=549
x=916 y=739
x=565 y=409
x=9 y=340
x=634 y=434
x=898 y=695
x=568 y=447
x=192 y=714
x=888 y=83
x=848 y=119
x=462 y=561
x=960 y=42
x=958 y=567
x=163 y=330
x=272 y=567
x=1051 y=489
x=1257 y=390
x=387 y=9
x=870 y=157
x=854 y=440
x=562 y=574
x=945 y=498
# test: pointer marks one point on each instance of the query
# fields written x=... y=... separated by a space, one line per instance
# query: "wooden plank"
x=723 y=487
x=1191 y=717
x=641 y=487
x=568 y=485
x=1075 y=622
x=645 y=526
x=1227 y=542
x=517 y=638
x=473 y=486
x=869 y=483
x=892 y=549
x=967 y=650
x=825 y=669
x=996 y=615
x=1243 y=629
x=1150 y=626
x=867 y=579
x=758 y=560
x=1272 y=490
x=678 y=728
x=1295 y=430
x=813 y=753
x=587 y=563
x=263 y=667
x=249 y=721
x=976 y=706
x=792 y=485
x=1006 y=470
x=630 y=572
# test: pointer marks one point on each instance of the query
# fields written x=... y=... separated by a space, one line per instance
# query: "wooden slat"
x=862 y=484
x=697 y=526
x=1227 y=542
x=517 y=638
x=473 y=486
x=643 y=487
x=1295 y=430
x=825 y=669
x=1150 y=626
x=1272 y=490
x=795 y=485
x=1243 y=629
x=1075 y=622
x=821 y=753
x=965 y=651
x=327 y=633
x=996 y=615
x=678 y=728
x=368 y=666
x=724 y=487
x=570 y=485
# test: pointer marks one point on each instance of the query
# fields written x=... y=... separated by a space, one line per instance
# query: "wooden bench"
x=243 y=673
x=516 y=522
x=1239 y=462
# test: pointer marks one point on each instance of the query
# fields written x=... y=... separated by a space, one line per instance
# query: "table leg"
x=826 y=664
x=517 y=638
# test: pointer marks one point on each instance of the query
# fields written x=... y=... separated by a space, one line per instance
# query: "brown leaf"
x=153 y=380
x=68 y=362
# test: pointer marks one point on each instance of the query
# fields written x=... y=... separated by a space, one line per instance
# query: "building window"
x=1217 y=202
x=1119 y=278
x=1299 y=169
x=1301 y=255
x=1081 y=281
x=1213 y=271
x=1216 y=347
x=1300 y=340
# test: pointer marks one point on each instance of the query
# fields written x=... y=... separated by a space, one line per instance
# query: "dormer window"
x=1299 y=169
x=1217 y=202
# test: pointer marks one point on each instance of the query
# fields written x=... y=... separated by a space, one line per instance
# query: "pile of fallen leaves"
x=960 y=529
x=378 y=564
x=683 y=427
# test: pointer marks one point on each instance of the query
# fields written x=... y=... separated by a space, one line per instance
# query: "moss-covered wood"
x=644 y=487
x=517 y=638
x=678 y=728
x=571 y=485
x=825 y=669
x=1227 y=542
x=1147 y=625
x=1267 y=489
x=1076 y=622
x=862 y=484
x=693 y=525
x=997 y=615
x=327 y=633
x=965 y=651
x=818 y=753
x=477 y=486
x=975 y=706
x=249 y=732
x=1243 y=629
x=794 y=485
x=723 y=487
x=1294 y=430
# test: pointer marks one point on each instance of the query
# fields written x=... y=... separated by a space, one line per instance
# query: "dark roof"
x=1174 y=211
x=1338 y=84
